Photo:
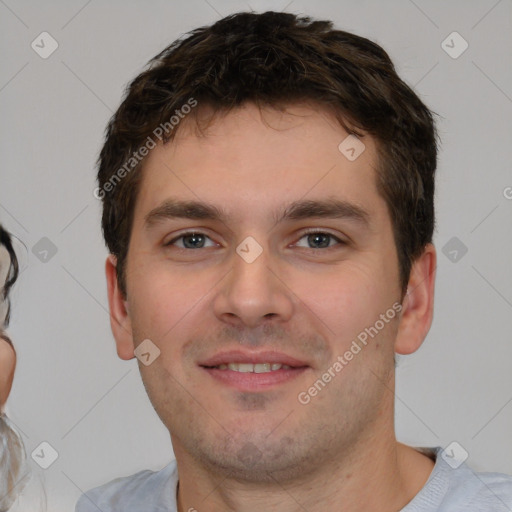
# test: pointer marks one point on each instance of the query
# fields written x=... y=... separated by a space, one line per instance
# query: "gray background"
x=71 y=390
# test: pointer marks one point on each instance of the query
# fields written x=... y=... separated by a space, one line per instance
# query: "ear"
x=418 y=303
x=120 y=320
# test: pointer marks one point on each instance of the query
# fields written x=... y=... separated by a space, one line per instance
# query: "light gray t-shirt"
x=448 y=489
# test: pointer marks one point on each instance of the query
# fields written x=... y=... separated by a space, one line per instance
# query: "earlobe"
x=418 y=303
x=120 y=320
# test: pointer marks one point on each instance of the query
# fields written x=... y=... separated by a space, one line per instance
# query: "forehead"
x=253 y=159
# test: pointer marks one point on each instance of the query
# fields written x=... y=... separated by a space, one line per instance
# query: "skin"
x=7 y=367
x=246 y=451
x=7 y=353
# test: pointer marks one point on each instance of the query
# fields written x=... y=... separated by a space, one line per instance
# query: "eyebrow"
x=298 y=210
x=327 y=209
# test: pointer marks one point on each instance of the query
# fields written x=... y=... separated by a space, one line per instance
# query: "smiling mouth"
x=251 y=368
x=254 y=377
x=248 y=371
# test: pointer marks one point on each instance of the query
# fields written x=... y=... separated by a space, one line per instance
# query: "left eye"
x=190 y=240
x=319 y=240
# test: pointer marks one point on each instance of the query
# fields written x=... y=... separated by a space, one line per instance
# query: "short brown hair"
x=276 y=59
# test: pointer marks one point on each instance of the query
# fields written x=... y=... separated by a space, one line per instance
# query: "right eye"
x=190 y=240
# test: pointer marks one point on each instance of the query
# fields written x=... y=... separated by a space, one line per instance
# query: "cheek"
x=347 y=299
x=166 y=303
x=341 y=297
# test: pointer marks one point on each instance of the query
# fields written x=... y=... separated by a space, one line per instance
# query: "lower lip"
x=255 y=381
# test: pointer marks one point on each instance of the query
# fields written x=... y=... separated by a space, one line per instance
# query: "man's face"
x=318 y=282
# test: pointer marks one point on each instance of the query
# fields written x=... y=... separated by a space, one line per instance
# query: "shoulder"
x=455 y=486
x=484 y=491
x=151 y=491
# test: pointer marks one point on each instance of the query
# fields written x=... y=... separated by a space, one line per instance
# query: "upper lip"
x=238 y=356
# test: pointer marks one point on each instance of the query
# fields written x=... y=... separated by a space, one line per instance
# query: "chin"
x=252 y=457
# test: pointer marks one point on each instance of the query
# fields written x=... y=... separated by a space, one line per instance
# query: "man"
x=267 y=188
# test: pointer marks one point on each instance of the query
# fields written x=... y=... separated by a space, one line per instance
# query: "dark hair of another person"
x=12 y=275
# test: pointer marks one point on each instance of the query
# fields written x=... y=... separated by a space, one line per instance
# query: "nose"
x=253 y=293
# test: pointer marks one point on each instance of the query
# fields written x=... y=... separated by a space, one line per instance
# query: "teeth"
x=263 y=367
x=253 y=368
x=242 y=367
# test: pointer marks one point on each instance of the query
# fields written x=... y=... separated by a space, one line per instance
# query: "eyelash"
x=304 y=234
